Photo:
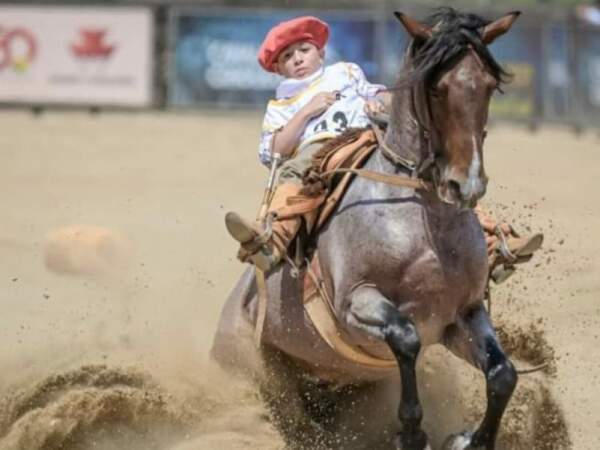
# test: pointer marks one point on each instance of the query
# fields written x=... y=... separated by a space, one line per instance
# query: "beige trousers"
x=292 y=170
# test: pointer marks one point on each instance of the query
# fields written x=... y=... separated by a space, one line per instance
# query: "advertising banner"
x=520 y=53
x=588 y=70
x=91 y=56
x=557 y=87
x=213 y=56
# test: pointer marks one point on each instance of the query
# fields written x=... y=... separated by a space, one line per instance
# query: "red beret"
x=305 y=28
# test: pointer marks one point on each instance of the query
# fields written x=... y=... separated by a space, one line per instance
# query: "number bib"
x=347 y=112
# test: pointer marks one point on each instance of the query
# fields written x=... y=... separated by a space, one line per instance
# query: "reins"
x=394 y=180
x=414 y=180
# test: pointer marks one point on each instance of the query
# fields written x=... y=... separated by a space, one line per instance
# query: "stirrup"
x=507 y=257
x=520 y=254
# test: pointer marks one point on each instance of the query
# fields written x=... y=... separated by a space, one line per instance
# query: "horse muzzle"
x=461 y=191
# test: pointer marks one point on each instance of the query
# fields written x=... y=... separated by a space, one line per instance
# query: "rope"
x=533 y=369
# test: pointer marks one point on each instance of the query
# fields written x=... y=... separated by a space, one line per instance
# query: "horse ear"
x=498 y=27
x=415 y=28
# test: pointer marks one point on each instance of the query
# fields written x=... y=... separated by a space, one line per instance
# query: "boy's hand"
x=374 y=107
x=320 y=103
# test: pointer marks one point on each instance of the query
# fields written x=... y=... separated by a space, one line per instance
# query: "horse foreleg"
x=370 y=311
x=474 y=339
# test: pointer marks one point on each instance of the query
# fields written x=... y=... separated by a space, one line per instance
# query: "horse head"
x=452 y=76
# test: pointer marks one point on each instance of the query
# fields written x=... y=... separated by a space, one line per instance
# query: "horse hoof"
x=400 y=447
x=418 y=442
x=460 y=441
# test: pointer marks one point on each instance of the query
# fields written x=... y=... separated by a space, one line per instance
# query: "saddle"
x=325 y=182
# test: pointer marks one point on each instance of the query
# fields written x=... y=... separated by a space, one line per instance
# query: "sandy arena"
x=115 y=263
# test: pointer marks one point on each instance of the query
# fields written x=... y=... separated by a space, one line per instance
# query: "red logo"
x=17 y=49
x=91 y=44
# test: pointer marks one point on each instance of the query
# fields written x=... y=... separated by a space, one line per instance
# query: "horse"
x=405 y=268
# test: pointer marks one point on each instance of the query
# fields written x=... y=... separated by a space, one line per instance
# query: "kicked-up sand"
x=115 y=264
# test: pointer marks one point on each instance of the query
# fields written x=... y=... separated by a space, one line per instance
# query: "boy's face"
x=299 y=60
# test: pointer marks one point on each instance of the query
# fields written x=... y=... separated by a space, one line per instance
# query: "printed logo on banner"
x=92 y=44
x=101 y=55
x=18 y=49
x=92 y=49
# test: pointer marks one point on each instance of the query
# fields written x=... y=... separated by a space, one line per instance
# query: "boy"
x=313 y=104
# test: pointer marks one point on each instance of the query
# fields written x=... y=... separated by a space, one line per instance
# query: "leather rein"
x=415 y=179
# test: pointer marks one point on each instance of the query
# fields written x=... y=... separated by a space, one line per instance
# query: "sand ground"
x=164 y=181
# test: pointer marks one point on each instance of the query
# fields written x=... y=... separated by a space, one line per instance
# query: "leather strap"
x=389 y=153
x=319 y=308
x=326 y=325
x=263 y=299
x=395 y=180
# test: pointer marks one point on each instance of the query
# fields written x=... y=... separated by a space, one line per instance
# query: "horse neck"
x=404 y=134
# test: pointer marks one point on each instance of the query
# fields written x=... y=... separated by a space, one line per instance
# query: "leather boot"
x=505 y=246
x=266 y=246
x=504 y=251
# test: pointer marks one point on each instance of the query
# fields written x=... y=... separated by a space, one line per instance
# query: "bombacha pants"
x=292 y=170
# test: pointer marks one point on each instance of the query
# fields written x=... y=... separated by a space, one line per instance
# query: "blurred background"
x=202 y=53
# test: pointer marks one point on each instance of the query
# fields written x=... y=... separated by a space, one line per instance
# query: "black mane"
x=453 y=33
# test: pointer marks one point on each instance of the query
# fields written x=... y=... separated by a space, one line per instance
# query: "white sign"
x=92 y=56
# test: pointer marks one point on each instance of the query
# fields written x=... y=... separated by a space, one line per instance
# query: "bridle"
x=422 y=118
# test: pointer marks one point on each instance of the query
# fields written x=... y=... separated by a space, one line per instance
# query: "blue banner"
x=395 y=42
x=519 y=51
x=214 y=56
x=588 y=70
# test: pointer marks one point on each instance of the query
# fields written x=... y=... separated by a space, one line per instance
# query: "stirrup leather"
x=503 y=245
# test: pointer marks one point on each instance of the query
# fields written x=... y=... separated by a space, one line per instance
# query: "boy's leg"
x=265 y=248
x=505 y=247
x=259 y=246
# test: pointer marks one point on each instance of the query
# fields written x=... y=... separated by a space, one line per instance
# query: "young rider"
x=313 y=104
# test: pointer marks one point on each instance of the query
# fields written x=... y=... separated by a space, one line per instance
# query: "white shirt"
x=292 y=95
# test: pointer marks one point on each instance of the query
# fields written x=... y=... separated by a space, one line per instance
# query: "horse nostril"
x=454 y=188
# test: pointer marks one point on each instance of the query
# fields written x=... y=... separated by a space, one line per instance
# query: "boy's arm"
x=287 y=138
x=385 y=97
x=380 y=104
x=377 y=98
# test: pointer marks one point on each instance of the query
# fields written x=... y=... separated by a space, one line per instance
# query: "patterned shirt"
x=292 y=95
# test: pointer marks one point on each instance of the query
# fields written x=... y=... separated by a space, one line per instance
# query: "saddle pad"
x=320 y=310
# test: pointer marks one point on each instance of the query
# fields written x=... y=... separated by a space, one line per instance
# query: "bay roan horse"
x=405 y=268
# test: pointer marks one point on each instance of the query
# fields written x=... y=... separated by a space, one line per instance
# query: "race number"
x=338 y=123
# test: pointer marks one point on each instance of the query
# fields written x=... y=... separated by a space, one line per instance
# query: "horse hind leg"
x=475 y=340
x=370 y=311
